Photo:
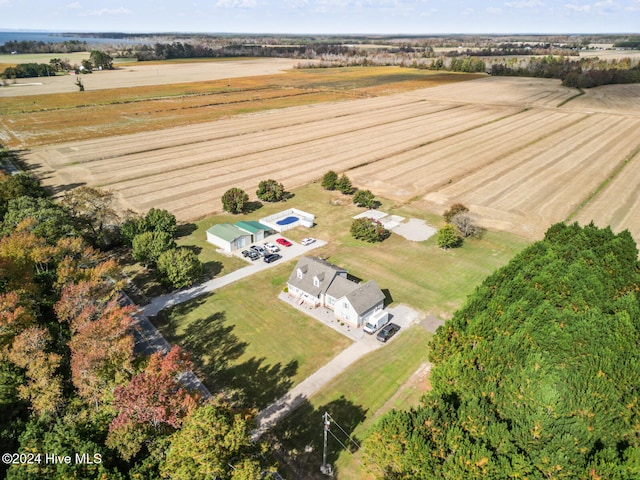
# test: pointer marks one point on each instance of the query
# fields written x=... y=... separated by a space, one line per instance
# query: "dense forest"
x=536 y=376
x=583 y=73
x=77 y=398
x=31 y=46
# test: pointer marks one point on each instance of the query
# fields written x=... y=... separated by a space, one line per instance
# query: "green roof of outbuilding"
x=252 y=226
x=226 y=231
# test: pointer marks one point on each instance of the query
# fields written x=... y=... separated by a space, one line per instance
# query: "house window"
x=316 y=282
x=299 y=273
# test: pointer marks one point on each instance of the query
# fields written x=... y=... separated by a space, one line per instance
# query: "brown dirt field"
x=512 y=149
x=618 y=204
x=609 y=98
x=136 y=75
x=31 y=120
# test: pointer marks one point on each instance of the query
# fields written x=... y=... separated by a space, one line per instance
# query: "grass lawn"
x=238 y=335
x=354 y=400
x=243 y=339
x=418 y=274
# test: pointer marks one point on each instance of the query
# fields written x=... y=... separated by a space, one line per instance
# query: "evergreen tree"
x=329 y=180
x=536 y=376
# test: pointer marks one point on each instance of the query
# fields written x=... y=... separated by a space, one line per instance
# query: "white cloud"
x=107 y=11
x=577 y=8
x=74 y=5
x=524 y=4
x=236 y=3
x=494 y=10
x=5 y=2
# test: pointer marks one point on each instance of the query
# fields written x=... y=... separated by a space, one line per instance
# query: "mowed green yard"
x=244 y=338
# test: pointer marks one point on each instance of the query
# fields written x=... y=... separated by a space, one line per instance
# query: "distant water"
x=59 y=37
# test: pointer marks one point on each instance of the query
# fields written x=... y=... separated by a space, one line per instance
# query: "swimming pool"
x=287 y=220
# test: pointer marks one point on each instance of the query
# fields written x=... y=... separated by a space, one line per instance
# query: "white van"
x=376 y=321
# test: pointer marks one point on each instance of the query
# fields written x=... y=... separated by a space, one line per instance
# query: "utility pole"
x=325 y=468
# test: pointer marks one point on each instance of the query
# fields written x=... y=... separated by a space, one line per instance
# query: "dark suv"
x=387 y=332
x=271 y=257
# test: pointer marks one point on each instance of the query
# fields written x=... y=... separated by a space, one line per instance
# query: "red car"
x=283 y=242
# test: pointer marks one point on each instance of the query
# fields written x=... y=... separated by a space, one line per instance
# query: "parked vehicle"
x=284 y=242
x=258 y=249
x=271 y=248
x=387 y=332
x=245 y=253
x=253 y=255
x=307 y=241
x=377 y=321
x=271 y=257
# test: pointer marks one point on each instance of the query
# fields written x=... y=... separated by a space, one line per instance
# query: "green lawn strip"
x=352 y=399
x=419 y=274
x=243 y=339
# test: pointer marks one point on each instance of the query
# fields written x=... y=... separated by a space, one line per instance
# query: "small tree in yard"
x=270 y=191
x=344 y=185
x=234 y=200
x=369 y=230
x=449 y=237
x=179 y=267
x=365 y=198
x=329 y=180
x=148 y=246
x=455 y=209
x=465 y=224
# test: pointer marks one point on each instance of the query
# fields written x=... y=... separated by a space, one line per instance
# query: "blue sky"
x=325 y=16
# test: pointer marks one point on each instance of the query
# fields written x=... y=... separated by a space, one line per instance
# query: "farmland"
x=521 y=153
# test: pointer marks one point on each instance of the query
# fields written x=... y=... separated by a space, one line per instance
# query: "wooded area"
x=536 y=376
x=72 y=383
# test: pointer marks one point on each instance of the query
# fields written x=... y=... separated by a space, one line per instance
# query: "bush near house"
x=369 y=230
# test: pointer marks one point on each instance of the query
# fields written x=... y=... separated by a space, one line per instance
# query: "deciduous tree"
x=455 y=209
x=449 y=237
x=94 y=211
x=465 y=224
x=369 y=230
x=179 y=267
x=214 y=441
x=148 y=246
x=153 y=404
x=270 y=191
x=102 y=353
x=234 y=200
x=365 y=198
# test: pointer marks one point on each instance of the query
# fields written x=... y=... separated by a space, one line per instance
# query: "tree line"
x=536 y=376
x=72 y=379
x=583 y=73
x=32 y=46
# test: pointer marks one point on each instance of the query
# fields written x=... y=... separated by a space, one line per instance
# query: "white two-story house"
x=319 y=283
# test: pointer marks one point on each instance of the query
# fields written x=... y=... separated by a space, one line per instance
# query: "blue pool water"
x=287 y=220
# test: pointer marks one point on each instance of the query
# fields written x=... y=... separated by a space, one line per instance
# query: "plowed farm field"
x=520 y=153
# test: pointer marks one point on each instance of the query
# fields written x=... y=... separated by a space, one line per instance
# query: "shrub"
x=449 y=237
x=369 y=230
x=234 y=200
x=179 y=267
x=455 y=209
x=329 y=180
x=270 y=191
x=365 y=198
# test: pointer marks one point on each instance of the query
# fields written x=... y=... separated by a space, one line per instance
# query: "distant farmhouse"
x=319 y=283
x=232 y=237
